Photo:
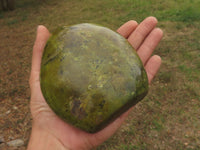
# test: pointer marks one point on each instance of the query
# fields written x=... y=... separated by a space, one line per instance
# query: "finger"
x=40 y=42
x=150 y=43
x=152 y=67
x=140 y=33
x=126 y=29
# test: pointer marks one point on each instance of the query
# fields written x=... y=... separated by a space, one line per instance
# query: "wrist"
x=43 y=140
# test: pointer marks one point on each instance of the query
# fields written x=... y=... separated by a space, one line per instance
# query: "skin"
x=51 y=133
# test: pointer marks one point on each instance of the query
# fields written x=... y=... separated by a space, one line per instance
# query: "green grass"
x=168 y=118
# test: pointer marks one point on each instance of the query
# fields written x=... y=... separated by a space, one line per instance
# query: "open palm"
x=60 y=135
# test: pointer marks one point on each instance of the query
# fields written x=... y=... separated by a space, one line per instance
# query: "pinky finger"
x=152 y=67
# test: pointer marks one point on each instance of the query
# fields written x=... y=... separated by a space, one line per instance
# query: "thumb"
x=42 y=36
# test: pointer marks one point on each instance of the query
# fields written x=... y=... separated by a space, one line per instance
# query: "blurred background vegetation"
x=168 y=118
x=7 y=5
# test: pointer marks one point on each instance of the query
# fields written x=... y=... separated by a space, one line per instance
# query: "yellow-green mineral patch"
x=90 y=75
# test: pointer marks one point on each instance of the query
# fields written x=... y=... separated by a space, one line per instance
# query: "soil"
x=15 y=61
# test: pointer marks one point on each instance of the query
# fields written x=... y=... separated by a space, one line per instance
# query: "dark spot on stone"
x=77 y=110
x=101 y=104
x=82 y=114
x=50 y=59
x=48 y=55
x=61 y=59
x=61 y=71
x=76 y=103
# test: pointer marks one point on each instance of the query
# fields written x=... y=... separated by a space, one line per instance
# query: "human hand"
x=49 y=131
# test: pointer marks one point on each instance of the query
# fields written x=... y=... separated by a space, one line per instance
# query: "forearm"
x=41 y=140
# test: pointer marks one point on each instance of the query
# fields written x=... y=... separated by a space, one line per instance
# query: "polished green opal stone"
x=90 y=75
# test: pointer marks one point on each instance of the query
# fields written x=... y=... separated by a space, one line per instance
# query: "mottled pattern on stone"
x=90 y=75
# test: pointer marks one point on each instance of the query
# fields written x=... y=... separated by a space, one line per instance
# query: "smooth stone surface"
x=90 y=75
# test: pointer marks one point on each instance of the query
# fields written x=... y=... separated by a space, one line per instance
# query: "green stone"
x=90 y=75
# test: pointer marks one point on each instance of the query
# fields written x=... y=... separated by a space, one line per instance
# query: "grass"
x=168 y=118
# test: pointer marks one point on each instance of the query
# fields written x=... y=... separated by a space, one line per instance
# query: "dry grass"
x=168 y=118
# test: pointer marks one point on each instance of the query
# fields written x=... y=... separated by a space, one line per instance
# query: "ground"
x=168 y=118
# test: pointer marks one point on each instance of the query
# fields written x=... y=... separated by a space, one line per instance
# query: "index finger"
x=126 y=29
